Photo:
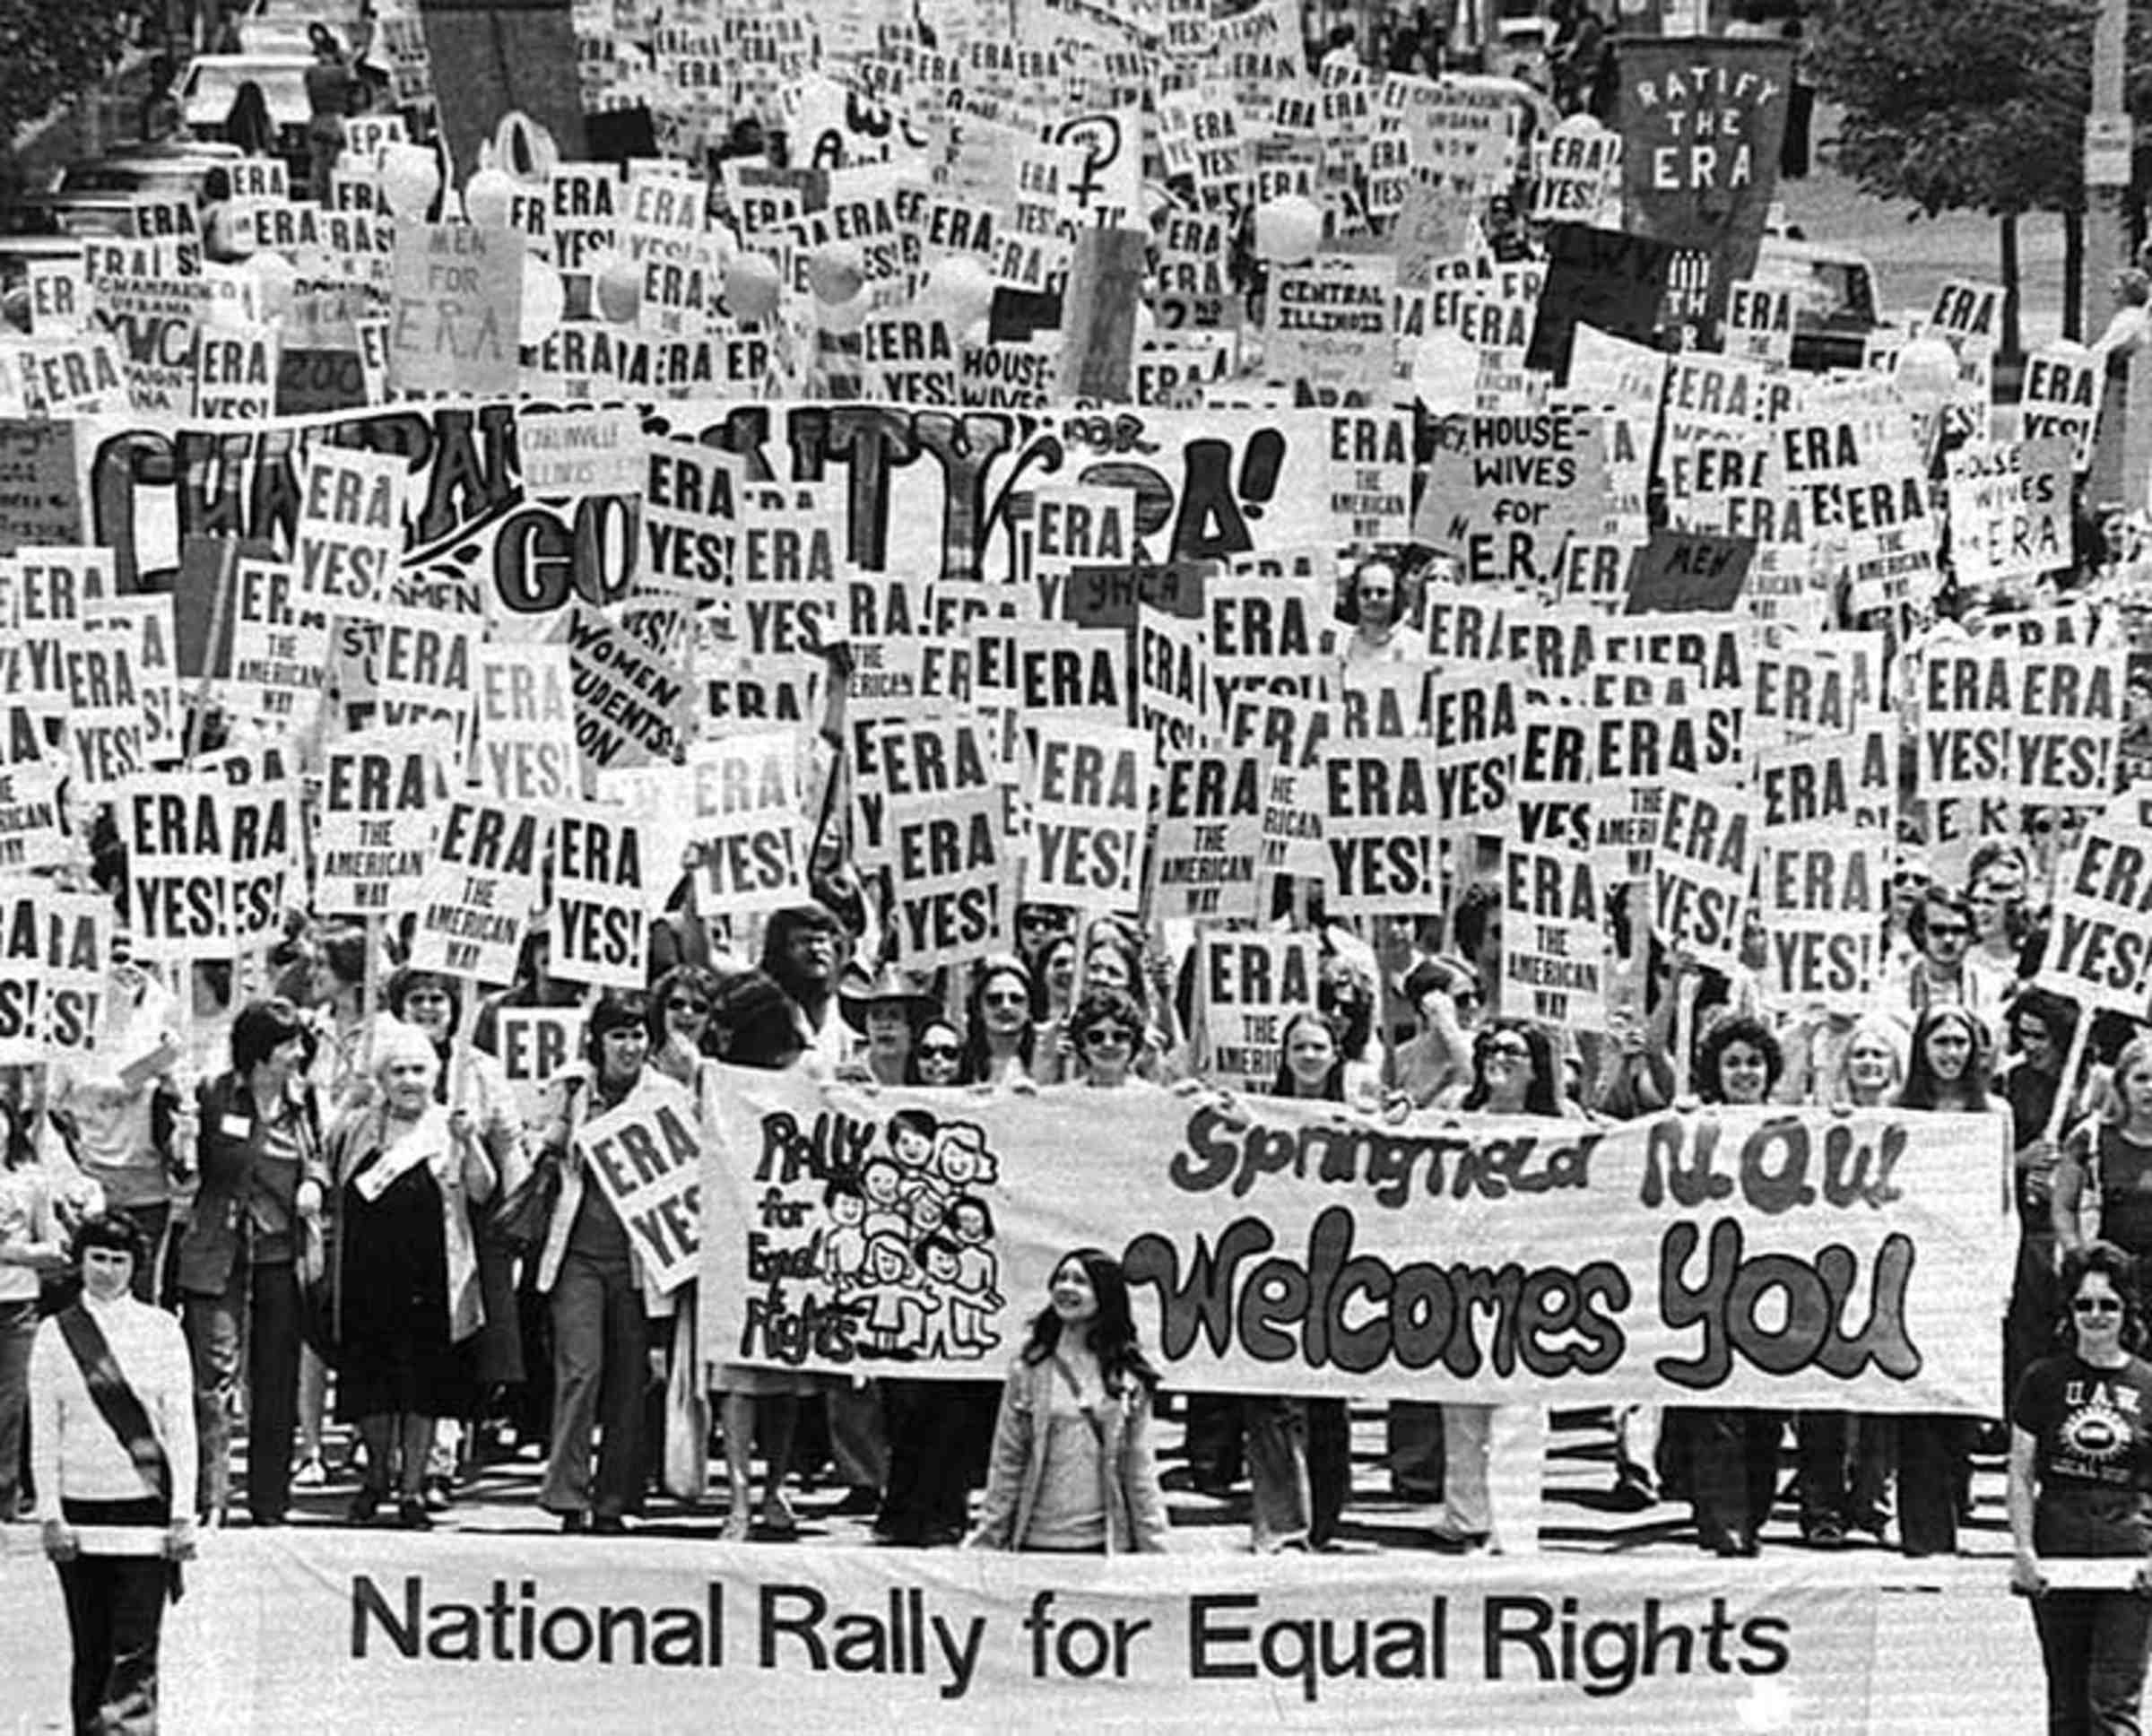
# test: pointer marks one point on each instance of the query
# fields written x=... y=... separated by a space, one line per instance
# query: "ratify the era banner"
x=1779 y=1257
x=326 y=1629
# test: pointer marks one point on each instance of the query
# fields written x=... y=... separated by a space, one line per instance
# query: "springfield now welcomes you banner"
x=1766 y=1257
x=309 y=1630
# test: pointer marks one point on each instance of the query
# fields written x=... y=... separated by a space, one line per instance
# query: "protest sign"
x=1682 y=570
x=1248 y=987
x=330 y=1627
x=31 y=833
x=1207 y=1204
x=350 y=529
x=629 y=699
x=1091 y=804
x=534 y=1044
x=1702 y=861
x=2010 y=510
x=374 y=838
x=262 y=841
x=52 y=956
x=179 y=871
x=1822 y=889
x=236 y=374
x=750 y=841
x=480 y=890
x=1174 y=691
x=1600 y=278
x=1265 y=626
x=1759 y=322
x=1554 y=935
x=526 y=747
x=602 y=897
x=2060 y=398
x=1208 y=842
x=279 y=646
x=1505 y=492
x=1329 y=327
x=2097 y=952
x=647 y=1155
x=1702 y=120
x=1580 y=175
x=456 y=304
x=1968 y=711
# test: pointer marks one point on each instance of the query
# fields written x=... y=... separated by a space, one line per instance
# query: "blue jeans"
x=2095 y=1645
x=18 y=1333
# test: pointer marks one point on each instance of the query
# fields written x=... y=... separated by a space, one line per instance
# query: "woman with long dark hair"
x=1947 y=1072
x=1726 y=1457
x=1514 y=1073
x=2080 y=1486
x=1073 y=1467
x=999 y=1029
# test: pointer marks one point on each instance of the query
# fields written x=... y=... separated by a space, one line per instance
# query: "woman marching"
x=407 y=1291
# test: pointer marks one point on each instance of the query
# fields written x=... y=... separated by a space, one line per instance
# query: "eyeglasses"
x=1516 y=1049
x=940 y=1051
x=1949 y=931
x=693 y=1008
x=1013 y=997
x=1101 y=1036
x=2095 y=1305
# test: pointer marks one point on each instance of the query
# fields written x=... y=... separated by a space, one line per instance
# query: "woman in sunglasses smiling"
x=938 y=1055
x=2081 y=1485
x=1107 y=1031
x=680 y=1032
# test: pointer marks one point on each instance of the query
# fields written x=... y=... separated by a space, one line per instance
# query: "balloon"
x=410 y=178
x=1926 y=375
x=753 y=287
x=1288 y=229
x=958 y=290
x=618 y=290
x=545 y=301
x=1446 y=373
x=487 y=197
x=273 y=278
x=841 y=317
x=835 y=272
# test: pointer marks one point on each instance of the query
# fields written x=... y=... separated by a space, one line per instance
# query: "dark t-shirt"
x=2093 y=1427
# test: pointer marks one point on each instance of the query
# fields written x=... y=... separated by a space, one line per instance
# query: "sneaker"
x=311 y=1474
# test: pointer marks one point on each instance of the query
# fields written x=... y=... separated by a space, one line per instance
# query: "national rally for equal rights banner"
x=308 y=1628
x=1775 y=1257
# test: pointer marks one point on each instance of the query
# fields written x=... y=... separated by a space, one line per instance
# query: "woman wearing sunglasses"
x=938 y=1055
x=940 y=1432
x=2081 y=1486
x=681 y=1034
x=1001 y=1033
x=1106 y=1030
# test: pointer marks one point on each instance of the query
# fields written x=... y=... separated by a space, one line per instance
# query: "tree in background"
x=51 y=49
x=1966 y=105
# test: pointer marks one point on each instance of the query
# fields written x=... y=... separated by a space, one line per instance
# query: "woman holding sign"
x=2081 y=1486
x=1073 y=1470
x=406 y=1290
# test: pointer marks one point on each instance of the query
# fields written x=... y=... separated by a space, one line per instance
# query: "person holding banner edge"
x=2080 y=1487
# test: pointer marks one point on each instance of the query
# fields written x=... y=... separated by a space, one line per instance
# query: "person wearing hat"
x=887 y=1010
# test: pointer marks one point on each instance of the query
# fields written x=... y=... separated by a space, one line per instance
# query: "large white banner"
x=1779 y=1257
x=332 y=1630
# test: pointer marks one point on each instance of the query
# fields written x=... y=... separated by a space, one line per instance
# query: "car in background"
x=210 y=85
x=100 y=195
x=1834 y=301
